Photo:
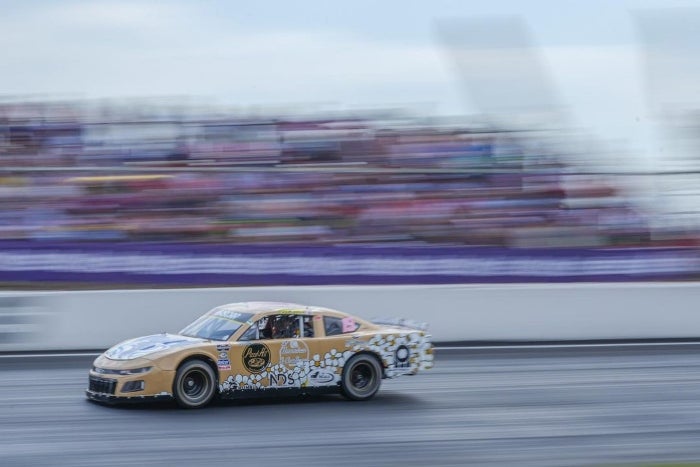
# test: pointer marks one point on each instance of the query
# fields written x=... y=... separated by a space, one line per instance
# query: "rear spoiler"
x=402 y=323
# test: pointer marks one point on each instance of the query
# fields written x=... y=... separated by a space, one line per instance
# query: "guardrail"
x=513 y=312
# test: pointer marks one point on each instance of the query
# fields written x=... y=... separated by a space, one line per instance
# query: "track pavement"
x=514 y=406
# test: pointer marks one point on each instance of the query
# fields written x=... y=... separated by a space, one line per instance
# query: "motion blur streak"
x=532 y=407
x=391 y=178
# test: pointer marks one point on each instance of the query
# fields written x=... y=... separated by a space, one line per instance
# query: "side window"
x=284 y=326
x=251 y=334
x=261 y=329
x=280 y=327
x=308 y=326
x=257 y=330
x=335 y=326
x=265 y=328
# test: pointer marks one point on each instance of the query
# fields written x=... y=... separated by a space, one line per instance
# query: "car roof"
x=257 y=308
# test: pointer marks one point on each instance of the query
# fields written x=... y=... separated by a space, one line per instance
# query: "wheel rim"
x=194 y=384
x=361 y=376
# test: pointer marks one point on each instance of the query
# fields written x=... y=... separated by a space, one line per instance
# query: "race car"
x=254 y=348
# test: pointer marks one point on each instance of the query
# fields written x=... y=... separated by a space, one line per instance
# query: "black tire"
x=195 y=384
x=362 y=376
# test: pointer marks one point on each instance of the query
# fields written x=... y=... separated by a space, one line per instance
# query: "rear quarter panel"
x=401 y=351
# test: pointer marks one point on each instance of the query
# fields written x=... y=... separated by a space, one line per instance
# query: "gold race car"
x=243 y=349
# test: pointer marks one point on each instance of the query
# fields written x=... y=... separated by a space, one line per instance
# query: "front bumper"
x=152 y=385
x=112 y=399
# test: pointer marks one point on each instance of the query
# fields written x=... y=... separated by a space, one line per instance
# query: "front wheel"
x=194 y=384
x=362 y=377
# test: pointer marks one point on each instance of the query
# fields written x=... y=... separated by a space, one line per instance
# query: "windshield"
x=219 y=324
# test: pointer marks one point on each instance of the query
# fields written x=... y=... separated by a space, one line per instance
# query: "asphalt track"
x=537 y=406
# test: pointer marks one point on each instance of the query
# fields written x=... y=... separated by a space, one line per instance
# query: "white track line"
x=566 y=346
x=49 y=355
x=438 y=348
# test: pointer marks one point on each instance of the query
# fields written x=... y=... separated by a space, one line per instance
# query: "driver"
x=285 y=327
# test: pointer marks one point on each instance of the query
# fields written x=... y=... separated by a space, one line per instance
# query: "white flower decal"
x=316 y=369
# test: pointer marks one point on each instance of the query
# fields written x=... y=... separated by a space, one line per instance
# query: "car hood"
x=147 y=345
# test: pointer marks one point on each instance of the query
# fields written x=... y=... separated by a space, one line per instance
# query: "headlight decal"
x=126 y=372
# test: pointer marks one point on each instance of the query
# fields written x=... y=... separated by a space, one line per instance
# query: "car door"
x=273 y=354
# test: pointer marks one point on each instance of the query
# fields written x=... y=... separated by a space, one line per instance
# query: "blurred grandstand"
x=87 y=175
x=72 y=175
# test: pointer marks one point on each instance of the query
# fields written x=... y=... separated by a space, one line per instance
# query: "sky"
x=328 y=54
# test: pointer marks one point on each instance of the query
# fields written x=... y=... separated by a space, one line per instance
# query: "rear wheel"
x=194 y=385
x=362 y=377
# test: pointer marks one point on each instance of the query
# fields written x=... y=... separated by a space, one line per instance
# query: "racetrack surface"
x=539 y=407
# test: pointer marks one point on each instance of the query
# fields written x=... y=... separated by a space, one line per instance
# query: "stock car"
x=252 y=348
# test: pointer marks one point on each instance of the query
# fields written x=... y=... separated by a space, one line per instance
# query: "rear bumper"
x=112 y=399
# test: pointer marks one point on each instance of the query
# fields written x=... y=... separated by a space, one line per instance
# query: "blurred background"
x=142 y=142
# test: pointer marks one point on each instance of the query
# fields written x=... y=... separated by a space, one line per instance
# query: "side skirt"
x=278 y=392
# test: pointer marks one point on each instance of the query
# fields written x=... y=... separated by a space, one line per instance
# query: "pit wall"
x=57 y=321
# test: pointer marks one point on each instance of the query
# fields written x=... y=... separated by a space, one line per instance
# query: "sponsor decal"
x=291 y=312
x=320 y=377
x=223 y=347
x=293 y=353
x=256 y=357
x=401 y=357
x=223 y=364
x=282 y=379
x=349 y=324
x=233 y=315
x=223 y=355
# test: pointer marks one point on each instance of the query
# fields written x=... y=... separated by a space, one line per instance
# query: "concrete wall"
x=98 y=319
